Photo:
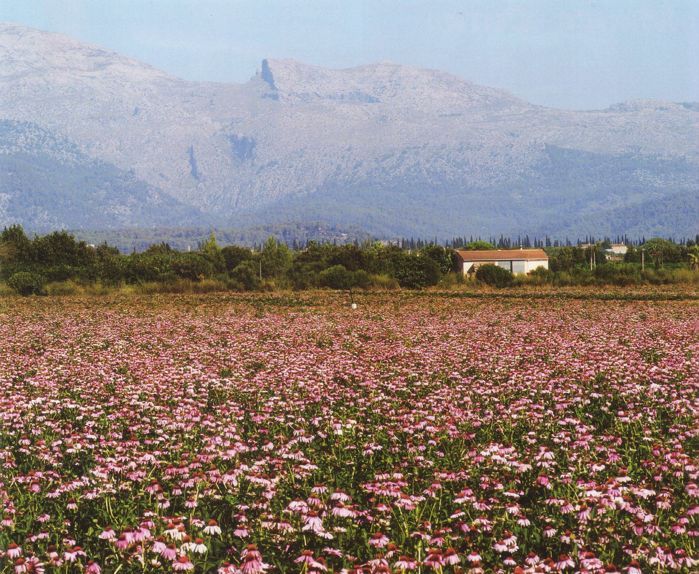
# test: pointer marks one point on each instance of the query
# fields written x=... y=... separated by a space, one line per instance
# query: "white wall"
x=517 y=267
x=531 y=265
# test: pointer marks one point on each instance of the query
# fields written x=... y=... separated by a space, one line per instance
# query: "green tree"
x=478 y=245
x=416 y=272
x=693 y=255
x=661 y=251
x=233 y=255
x=17 y=247
x=211 y=250
x=440 y=255
x=567 y=258
x=192 y=266
x=246 y=276
x=275 y=258
x=26 y=283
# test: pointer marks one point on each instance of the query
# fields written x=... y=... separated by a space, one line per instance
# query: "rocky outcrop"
x=456 y=157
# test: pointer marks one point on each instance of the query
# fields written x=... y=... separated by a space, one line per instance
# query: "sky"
x=576 y=54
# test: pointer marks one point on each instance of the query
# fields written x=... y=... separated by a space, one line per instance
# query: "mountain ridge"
x=295 y=132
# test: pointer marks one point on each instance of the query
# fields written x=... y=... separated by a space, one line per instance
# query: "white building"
x=518 y=261
x=617 y=249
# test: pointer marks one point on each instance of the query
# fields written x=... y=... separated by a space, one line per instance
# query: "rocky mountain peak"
x=29 y=54
x=383 y=82
x=389 y=148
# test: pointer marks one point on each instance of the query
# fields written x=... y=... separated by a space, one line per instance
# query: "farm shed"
x=518 y=261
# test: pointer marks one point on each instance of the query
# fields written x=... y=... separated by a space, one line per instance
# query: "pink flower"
x=405 y=564
x=73 y=554
x=378 y=540
x=182 y=563
x=108 y=534
x=212 y=528
x=451 y=557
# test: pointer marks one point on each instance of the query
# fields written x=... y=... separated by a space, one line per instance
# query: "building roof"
x=503 y=255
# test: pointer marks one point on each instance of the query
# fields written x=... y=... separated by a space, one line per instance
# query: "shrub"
x=234 y=255
x=336 y=277
x=26 y=283
x=246 y=276
x=539 y=276
x=622 y=274
x=192 y=266
x=416 y=272
x=494 y=276
x=361 y=279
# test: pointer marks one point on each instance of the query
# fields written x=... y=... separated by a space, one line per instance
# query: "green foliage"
x=246 y=275
x=233 y=255
x=478 y=245
x=693 y=257
x=622 y=274
x=416 y=272
x=362 y=279
x=276 y=259
x=567 y=258
x=441 y=256
x=213 y=253
x=26 y=283
x=661 y=251
x=336 y=277
x=70 y=265
x=349 y=256
x=494 y=276
x=16 y=245
x=192 y=266
x=339 y=277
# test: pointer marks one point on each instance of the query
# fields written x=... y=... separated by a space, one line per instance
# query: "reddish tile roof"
x=503 y=255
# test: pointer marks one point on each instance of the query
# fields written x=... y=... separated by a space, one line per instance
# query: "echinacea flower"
x=182 y=563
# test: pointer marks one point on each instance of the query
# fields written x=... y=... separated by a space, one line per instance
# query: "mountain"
x=391 y=149
x=47 y=183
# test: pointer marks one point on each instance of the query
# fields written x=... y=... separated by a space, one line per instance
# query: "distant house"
x=616 y=251
x=518 y=261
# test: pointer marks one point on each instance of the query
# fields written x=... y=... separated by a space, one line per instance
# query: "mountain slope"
x=390 y=148
x=47 y=183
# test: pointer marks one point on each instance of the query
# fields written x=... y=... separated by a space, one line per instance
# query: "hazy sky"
x=567 y=53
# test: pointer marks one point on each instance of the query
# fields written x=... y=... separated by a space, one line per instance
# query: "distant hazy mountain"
x=387 y=148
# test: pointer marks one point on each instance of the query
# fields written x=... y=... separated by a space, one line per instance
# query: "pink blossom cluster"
x=413 y=434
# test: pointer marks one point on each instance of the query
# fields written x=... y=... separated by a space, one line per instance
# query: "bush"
x=494 y=276
x=416 y=272
x=540 y=276
x=192 y=266
x=26 y=283
x=336 y=277
x=361 y=279
x=622 y=274
x=246 y=276
x=234 y=255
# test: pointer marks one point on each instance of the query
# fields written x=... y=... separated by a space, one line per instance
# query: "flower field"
x=237 y=434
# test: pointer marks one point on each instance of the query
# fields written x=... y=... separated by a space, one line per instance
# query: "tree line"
x=29 y=264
